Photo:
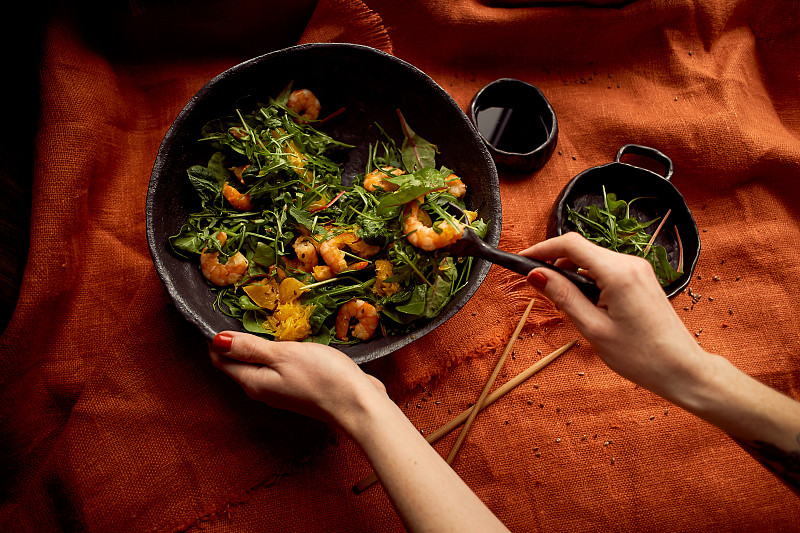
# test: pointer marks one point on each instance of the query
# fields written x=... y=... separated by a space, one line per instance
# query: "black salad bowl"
x=369 y=86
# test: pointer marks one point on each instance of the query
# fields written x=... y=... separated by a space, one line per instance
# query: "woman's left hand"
x=307 y=378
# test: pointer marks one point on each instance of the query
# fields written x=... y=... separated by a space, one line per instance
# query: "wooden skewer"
x=501 y=391
x=653 y=238
x=482 y=398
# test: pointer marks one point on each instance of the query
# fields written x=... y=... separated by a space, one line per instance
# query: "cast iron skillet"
x=371 y=85
x=628 y=182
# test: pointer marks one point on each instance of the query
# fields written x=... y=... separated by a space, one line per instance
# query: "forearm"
x=763 y=421
x=427 y=494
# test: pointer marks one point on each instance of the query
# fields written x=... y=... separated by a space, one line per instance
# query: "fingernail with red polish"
x=222 y=342
x=537 y=280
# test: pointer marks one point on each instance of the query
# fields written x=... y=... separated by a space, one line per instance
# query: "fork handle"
x=523 y=265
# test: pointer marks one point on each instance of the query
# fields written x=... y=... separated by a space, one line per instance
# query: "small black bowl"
x=657 y=196
x=517 y=124
x=371 y=86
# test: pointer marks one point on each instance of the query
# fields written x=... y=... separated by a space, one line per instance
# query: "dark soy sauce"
x=517 y=130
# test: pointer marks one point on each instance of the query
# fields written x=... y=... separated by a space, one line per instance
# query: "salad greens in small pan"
x=613 y=226
x=294 y=254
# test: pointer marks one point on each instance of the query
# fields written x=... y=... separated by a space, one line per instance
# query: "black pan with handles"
x=657 y=195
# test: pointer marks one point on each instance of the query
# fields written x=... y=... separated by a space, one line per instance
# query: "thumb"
x=563 y=293
x=244 y=347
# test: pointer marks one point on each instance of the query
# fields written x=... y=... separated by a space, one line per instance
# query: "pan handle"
x=646 y=151
x=522 y=265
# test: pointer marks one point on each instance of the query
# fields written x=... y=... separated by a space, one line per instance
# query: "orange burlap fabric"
x=113 y=418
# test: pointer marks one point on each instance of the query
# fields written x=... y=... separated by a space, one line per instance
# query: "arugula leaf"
x=663 y=269
x=302 y=217
x=417 y=153
x=252 y=320
x=371 y=228
x=206 y=183
x=416 y=304
x=264 y=256
x=480 y=228
x=439 y=294
x=411 y=187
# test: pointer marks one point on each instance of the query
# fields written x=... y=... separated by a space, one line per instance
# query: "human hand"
x=633 y=327
x=308 y=378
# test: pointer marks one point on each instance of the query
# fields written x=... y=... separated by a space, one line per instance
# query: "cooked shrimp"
x=376 y=179
x=306 y=254
x=455 y=186
x=222 y=274
x=427 y=237
x=238 y=200
x=304 y=103
x=366 y=315
x=333 y=254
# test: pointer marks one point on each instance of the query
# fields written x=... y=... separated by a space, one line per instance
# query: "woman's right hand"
x=633 y=327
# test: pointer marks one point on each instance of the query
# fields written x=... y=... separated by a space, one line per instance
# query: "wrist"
x=366 y=408
x=703 y=384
